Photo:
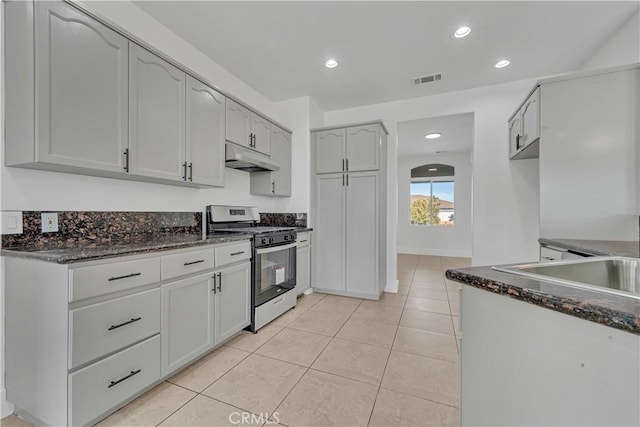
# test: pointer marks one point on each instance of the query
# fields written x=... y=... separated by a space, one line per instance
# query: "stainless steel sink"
x=615 y=275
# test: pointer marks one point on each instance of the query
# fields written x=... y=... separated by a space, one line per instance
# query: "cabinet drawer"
x=103 y=385
x=233 y=253
x=274 y=308
x=86 y=282
x=186 y=263
x=102 y=328
x=303 y=239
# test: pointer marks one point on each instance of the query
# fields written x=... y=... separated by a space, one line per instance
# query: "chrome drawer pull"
x=237 y=253
x=194 y=262
x=133 y=320
x=126 y=276
x=125 y=378
x=302 y=241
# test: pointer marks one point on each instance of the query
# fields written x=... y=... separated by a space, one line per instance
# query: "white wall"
x=430 y=240
x=622 y=47
x=505 y=193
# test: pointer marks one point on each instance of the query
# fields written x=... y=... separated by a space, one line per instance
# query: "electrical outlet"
x=49 y=222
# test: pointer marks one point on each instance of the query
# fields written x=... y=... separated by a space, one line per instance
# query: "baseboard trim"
x=6 y=408
x=435 y=252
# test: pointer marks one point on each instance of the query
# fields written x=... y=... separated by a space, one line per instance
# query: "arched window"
x=432 y=195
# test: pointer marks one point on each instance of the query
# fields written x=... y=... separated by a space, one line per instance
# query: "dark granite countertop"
x=596 y=247
x=303 y=229
x=606 y=309
x=62 y=253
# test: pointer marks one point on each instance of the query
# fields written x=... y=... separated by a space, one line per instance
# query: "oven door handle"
x=260 y=251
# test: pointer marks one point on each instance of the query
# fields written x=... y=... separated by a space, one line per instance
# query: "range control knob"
x=286 y=237
x=263 y=241
x=270 y=239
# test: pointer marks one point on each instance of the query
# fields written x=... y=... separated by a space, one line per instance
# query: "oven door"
x=275 y=272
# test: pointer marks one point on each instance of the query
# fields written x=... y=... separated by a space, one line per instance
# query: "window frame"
x=430 y=181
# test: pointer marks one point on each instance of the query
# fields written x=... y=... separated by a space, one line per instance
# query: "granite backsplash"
x=283 y=219
x=79 y=227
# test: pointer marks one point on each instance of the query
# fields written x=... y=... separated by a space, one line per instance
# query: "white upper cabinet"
x=247 y=128
x=363 y=148
x=205 y=119
x=82 y=97
x=353 y=149
x=156 y=117
x=261 y=131
x=79 y=61
x=524 y=128
x=238 y=124
x=281 y=154
x=530 y=114
x=330 y=151
x=276 y=183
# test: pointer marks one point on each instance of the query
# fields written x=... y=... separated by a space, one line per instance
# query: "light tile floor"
x=332 y=361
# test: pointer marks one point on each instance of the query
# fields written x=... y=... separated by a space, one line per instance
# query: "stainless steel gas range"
x=273 y=261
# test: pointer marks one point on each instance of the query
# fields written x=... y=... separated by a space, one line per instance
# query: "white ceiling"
x=279 y=47
x=456 y=130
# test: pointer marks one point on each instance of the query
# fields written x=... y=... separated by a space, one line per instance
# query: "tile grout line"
x=316 y=358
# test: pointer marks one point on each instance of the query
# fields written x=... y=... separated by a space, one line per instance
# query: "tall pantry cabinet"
x=348 y=165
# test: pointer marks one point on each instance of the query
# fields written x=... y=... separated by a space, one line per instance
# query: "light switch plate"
x=49 y=222
x=11 y=222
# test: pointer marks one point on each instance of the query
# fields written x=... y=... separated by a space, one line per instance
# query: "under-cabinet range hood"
x=238 y=157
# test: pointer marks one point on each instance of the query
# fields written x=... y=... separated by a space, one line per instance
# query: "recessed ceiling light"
x=433 y=170
x=331 y=63
x=462 y=32
x=502 y=63
x=433 y=135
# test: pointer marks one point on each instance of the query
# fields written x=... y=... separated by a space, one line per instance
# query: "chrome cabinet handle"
x=343 y=180
x=518 y=142
x=237 y=253
x=347 y=165
x=194 y=262
x=347 y=179
x=133 y=320
x=126 y=276
x=342 y=165
x=184 y=174
x=190 y=171
x=219 y=282
x=125 y=378
x=214 y=277
x=273 y=187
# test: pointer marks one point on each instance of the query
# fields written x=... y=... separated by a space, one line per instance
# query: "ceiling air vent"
x=426 y=79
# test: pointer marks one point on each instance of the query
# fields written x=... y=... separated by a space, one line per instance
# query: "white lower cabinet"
x=187 y=320
x=232 y=301
x=82 y=339
x=303 y=262
x=96 y=389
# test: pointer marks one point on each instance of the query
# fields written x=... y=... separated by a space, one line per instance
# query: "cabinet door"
x=281 y=154
x=530 y=119
x=187 y=320
x=156 y=116
x=261 y=129
x=514 y=134
x=303 y=269
x=329 y=260
x=363 y=148
x=233 y=301
x=329 y=147
x=362 y=233
x=238 y=123
x=205 y=134
x=82 y=84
